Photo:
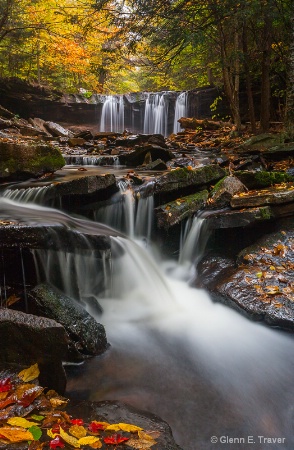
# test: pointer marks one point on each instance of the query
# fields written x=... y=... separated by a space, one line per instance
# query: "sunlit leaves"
x=29 y=374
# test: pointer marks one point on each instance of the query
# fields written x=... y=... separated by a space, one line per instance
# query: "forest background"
x=127 y=46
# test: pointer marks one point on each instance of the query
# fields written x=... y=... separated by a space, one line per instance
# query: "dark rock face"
x=262 y=284
x=29 y=339
x=158 y=164
x=137 y=157
x=86 y=336
x=26 y=160
x=239 y=218
x=117 y=412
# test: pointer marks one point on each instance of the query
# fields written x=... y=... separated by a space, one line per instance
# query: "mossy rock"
x=183 y=177
x=19 y=161
x=261 y=179
x=174 y=212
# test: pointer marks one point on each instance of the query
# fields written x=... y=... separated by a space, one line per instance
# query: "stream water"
x=199 y=365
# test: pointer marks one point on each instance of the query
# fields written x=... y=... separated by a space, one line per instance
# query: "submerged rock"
x=28 y=340
x=86 y=336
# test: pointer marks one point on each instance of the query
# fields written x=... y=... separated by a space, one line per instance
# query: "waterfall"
x=156 y=114
x=104 y=160
x=28 y=195
x=127 y=213
x=112 y=115
x=173 y=351
x=180 y=110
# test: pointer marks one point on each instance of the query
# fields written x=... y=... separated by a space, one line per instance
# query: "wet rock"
x=57 y=130
x=39 y=124
x=174 y=212
x=270 y=196
x=158 y=164
x=86 y=337
x=239 y=218
x=183 y=177
x=5 y=123
x=262 y=284
x=75 y=141
x=28 y=159
x=31 y=131
x=29 y=339
x=279 y=152
x=137 y=157
x=260 y=179
x=212 y=270
x=117 y=412
x=261 y=142
x=224 y=191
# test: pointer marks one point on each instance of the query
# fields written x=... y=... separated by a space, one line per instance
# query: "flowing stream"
x=199 y=365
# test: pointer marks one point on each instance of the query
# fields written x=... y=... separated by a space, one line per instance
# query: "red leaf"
x=56 y=442
x=95 y=427
x=115 y=439
x=7 y=402
x=30 y=395
x=77 y=422
x=5 y=385
x=56 y=428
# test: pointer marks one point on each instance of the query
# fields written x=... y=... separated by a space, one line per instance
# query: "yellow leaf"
x=78 y=431
x=51 y=434
x=129 y=428
x=29 y=374
x=20 y=422
x=69 y=439
x=259 y=274
x=90 y=440
x=15 y=434
x=55 y=402
x=272 y=268
x=140 y=444
x=143 y=435
x=113 y=427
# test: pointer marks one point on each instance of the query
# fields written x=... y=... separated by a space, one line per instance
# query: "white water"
x=112 y=115
x=27 y=195
x=156 y=114
x=201 y=366
x=180 y=110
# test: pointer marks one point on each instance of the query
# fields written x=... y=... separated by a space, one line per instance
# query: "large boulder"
x=28 y=339
x=262 y=283
x=57 y=130
x=137 y=157
x=28 y=159
x=86 y=336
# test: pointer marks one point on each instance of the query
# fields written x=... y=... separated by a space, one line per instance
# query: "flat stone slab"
x=238 y=218
x=183 y=177
x=174 y=212
x=271 y=196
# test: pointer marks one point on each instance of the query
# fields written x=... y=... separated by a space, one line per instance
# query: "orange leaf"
x=16 y=434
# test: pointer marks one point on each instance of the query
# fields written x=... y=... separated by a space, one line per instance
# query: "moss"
x=262 y=179
x=265 y=213
x=217 y=186
x=48 y=162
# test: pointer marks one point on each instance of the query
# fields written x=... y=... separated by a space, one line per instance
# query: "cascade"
x=27 y=195
x=112 y=115
x=202 y=367
x=156 y=114
x=180 y=110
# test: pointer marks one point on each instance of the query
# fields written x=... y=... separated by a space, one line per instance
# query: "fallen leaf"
x=129 y=427
x=69 y=439
x=113 y=427
x=11 y=300
x=5 y=385
x=37 y=417
x=95 y=426
x=36 y=432
x=20 y=422
x=56 y=443
x=55 y=402
x=140 y=444
x=36 y=445
x=30 y=395
x=115 y=439
x=29 y=374
x=78 y=431
x=90 y=440
x=16 y=434
x=77 y=421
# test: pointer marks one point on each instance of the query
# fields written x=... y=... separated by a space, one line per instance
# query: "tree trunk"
x=265 y=70
x=289 y=122
x=251 y=110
